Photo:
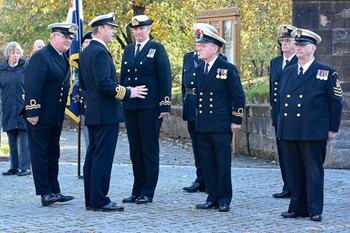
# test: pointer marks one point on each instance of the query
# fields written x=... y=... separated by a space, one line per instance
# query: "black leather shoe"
x=294 y=215
x=224 y=208
x=195 y=187
x=130 y=199
x=283 y=194
x=10 y=172
x=316 y=217
x=109 y=207
x=24 y=173
x=143 y=200
x=48 y=199
x=63 y=198
x=206 y=205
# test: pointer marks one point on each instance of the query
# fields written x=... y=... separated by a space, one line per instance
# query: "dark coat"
x=46 y=86
x=99 y=79
x=12 y=94
x=311 y=105
x=151 y=67
x=189 y=100
x=221 y=98
x=275 y=76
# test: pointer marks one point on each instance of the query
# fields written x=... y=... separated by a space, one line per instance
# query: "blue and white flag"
x=75 y=15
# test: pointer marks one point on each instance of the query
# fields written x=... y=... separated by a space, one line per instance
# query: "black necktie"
x=206 y=71
x=138 y=49
x=285 y=65
x=300 y=72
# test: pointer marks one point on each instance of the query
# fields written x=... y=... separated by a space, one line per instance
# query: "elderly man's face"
x=38 y=44
x=207 y=51
x=305 y=51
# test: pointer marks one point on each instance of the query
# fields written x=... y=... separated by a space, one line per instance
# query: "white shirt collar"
x=306 y=66
x=99 y=40
x=142 y=44
x=211 y=63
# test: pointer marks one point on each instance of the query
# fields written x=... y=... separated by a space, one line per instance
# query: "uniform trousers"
x=282 y=165
x=215 y=151
x=44 y=146
x=98 y=164
x=305 y=174
x=19 y=149
x=143 y=127
x=191 y=127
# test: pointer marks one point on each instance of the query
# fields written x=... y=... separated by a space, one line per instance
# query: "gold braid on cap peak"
x=72 y=30
x=121 y=91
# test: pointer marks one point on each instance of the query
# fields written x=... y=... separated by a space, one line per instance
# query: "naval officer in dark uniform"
x=189 y=106
x=277 y=65
x=145 y=62
x=310 y=107
x=46 y=92
x=103 y=112
x=221 y=102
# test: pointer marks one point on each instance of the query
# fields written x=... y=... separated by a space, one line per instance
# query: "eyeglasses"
x=66 y=36
x=285 y=40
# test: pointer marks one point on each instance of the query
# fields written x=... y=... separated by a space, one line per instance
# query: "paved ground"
x=252 y=208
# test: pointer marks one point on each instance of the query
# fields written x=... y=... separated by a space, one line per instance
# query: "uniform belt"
x=191 y=91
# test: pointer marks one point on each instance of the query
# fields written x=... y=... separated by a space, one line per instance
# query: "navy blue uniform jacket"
x=99 y=79
x=189 y=101
x=151 y=67
x=46 y=86
x=221 y=99
x=275 y=76
x=311 y=105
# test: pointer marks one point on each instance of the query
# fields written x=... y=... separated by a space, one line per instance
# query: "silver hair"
x=13 y=45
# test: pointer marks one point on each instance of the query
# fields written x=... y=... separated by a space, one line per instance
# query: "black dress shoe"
x=63 y=198
x=24 y=173
x=224 y=208
x=109 y=207
x=316 y=217
x=10 y=172
x=130 y=199
x=294 y=215
x=206 y=205
x=195 y=187
x=143 y=200
x=48 y=199
x=283 y=194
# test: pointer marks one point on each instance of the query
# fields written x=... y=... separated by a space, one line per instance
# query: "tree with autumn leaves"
x=25 y=21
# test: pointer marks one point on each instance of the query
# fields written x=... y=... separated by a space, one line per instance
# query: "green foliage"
x=5 y=149
x=25 y=21
x=256 y=90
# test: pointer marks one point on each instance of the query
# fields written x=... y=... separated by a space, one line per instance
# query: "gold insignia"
x=135 y=22
x=337 y=89
x=299 y=33
x=72 y=30
x=121 y=91
x=32 y=105
x=239 y=113
x=166 y=101
x=201 y=35
x=285 y=29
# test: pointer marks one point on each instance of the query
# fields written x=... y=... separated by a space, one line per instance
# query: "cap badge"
x=285 y=29
x=72 y=30
x=135 y=22
x=299 y=33
x=201 y=35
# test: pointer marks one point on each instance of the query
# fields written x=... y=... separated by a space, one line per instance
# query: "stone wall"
x=331 y=20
